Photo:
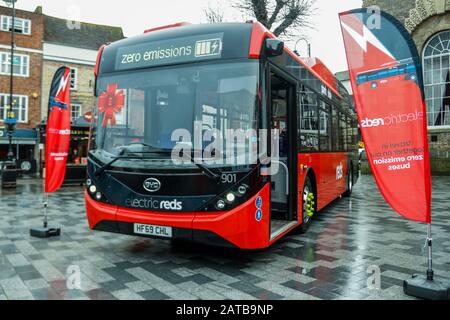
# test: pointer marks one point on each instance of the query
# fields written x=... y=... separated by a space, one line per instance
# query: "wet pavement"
x=339 y=258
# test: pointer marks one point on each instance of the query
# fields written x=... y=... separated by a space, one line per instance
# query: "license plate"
x=152 y=230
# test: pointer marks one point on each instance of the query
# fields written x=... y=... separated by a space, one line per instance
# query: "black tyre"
x=350 y=182
x=308 y=205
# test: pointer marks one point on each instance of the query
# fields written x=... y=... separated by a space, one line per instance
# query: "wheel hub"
x=308 y=204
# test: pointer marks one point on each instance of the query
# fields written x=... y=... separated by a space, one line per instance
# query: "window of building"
x=21 y=64
x=75 y=111
x=19 y=108
x=73 y=78
x=22 y=26
x=436 y=68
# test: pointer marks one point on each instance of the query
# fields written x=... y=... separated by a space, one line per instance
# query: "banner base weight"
x=420 y=287
x=45 y=233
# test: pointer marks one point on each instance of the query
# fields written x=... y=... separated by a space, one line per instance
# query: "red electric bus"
x=223 y=76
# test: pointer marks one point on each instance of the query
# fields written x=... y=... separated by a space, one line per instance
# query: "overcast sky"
x=134 y=16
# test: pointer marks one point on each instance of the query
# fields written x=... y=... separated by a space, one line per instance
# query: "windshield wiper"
x=121 y=156
x=205 y=170
x=212 y=175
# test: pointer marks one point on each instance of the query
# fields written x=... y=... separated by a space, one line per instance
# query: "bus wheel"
x=309 y=205
x=350 y=183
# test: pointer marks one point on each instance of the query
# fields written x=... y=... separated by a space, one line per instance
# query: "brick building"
x=75 y=45
x=29 y=30
x=43 y=44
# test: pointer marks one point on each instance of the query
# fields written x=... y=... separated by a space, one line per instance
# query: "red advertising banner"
x=58 y=130
x=386 y=76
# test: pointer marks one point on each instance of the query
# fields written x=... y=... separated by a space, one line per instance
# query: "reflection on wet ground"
x=339 y=258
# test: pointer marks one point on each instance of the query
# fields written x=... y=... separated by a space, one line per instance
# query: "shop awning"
x=21 y=137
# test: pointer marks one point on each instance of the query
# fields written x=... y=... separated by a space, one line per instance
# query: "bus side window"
x=356 y=133
x=352 y=133
x=308 y=122
x=325 y=141
x=343 y=131
x=335 y=129
x=348 y=136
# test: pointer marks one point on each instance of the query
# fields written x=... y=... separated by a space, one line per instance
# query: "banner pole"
x=430 y=272
x=45 y=210
x=45 y=231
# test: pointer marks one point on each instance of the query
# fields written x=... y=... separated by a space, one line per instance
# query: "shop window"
x=78 y=150
x=436 y=68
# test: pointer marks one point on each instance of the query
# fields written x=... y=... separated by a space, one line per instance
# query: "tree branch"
x=296 y=14
x=274 y=17
x=284 y=14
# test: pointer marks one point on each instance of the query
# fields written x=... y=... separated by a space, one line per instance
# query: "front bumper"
x=239 y=227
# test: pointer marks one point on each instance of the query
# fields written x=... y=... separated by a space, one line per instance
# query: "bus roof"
x=241 y=40
x=321 y=72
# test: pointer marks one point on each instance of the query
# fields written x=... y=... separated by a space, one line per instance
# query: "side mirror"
x=274 y=47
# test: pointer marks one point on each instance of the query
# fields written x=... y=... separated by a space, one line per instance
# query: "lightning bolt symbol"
x=63 y=84
x=215 y=45
x=367 y=37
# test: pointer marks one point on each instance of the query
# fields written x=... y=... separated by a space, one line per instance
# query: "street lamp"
x=10 y=119
x=308 y=45
x=9 y=171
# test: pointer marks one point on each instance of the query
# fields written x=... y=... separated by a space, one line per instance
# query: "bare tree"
x=214 y=13
x=282 y=17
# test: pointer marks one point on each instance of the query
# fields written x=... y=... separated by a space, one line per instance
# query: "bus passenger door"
x=282 y=106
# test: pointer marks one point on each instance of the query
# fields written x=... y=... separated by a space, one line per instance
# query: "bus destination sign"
x=180 y=50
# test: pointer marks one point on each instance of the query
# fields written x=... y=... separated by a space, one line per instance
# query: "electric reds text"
x=392 y=120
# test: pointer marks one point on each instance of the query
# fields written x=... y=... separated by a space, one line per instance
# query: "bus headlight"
x=221 y=205
x=98 y=196
x=92 y=189
x=242 y=190
x=89 y=182
x=230 y=197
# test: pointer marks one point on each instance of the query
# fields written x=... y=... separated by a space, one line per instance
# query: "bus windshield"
x=144 y=108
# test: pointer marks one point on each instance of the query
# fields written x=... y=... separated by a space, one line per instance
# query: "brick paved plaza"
x=346 y=240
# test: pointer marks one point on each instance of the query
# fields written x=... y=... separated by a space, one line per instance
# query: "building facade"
x=42 y=45
x=27 y=69
x=74 y=45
